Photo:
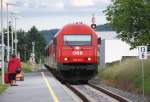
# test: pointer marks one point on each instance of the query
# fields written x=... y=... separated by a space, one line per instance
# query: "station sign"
x=142 y=52
x=33 y=43
x=16 y=41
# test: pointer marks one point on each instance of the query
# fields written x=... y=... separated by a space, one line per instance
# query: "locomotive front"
x=77 y=51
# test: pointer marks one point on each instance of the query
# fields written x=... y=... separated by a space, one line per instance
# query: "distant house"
x=113 y=49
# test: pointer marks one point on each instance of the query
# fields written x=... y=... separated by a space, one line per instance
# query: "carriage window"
x=77 y=39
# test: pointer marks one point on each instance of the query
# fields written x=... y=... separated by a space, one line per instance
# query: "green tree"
x=22 y=45
x=34 y=35
x=131 y=20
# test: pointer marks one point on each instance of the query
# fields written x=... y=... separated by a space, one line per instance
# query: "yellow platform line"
x=55 y=98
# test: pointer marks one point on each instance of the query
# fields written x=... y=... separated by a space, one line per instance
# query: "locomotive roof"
x=72 y=26
x=75 y=29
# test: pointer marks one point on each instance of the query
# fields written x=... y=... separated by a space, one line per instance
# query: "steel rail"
x=79 y=94
x=111 y=94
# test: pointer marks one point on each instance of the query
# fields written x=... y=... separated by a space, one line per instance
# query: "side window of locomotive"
x=99 y=40
x=77 y=39
x=54 y=41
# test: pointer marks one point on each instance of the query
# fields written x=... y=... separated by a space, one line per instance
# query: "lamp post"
x=2 y=34
x=12 y=35
x=33 y=53
x=16 y=40
x=8 y=44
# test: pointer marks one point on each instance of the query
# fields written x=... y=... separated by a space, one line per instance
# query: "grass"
x=127 y=75
x=26 y=67
x=2 y=87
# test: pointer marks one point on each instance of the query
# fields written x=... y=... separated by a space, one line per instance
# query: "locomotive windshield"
x=76 y=39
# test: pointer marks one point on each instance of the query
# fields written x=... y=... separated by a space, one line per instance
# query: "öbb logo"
x=77 y=52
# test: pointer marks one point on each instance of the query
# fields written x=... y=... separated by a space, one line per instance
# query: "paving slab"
x=63 y=93
x=32 y=89
x=35 y=89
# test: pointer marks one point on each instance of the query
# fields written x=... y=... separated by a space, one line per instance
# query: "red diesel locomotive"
x=73 y=53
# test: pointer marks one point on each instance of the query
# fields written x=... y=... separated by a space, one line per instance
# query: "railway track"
x=92 y=93
x=115 y=96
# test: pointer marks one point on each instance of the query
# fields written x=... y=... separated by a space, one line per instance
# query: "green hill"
x=49 y=34
x=104 y=27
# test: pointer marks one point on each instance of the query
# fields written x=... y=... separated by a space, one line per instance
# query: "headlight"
x=89 y=59
x=65 y=59
x=77 y=48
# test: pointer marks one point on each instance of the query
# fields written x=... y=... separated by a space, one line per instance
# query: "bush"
x=26 y=67
x=127 y=73
x=2 y=87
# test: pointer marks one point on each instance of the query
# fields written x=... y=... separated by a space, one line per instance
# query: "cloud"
x=31 y=4
x=82 y=3
x=55 y=13
x=88 y=3
x=4 y=4
x=58 y=7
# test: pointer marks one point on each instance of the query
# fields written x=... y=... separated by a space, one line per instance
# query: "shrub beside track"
x=2 y=87
x=127 y=75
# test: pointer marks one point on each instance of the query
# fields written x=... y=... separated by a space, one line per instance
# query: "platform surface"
x=37 y=87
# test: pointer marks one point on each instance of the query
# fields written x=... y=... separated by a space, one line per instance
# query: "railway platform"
x=38 y=86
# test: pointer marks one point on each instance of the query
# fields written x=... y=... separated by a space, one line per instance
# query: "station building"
x=113 y=49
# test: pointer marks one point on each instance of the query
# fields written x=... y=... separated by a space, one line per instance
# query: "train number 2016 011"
x=77 y=52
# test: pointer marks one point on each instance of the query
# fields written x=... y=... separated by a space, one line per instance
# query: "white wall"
x=114 y=50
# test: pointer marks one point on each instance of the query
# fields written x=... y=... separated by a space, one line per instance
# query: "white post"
x=142 y=56
x=33 y=44
x=12 y=39
x=2 y=42
x=8 y=38
x=33 y=53
x=142 y=71
x=13 y=31
x=8 y=48
x=15 y=37
x=12 y=35
x=33 y=49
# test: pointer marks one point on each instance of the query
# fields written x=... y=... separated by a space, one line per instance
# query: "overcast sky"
x=49 y=14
